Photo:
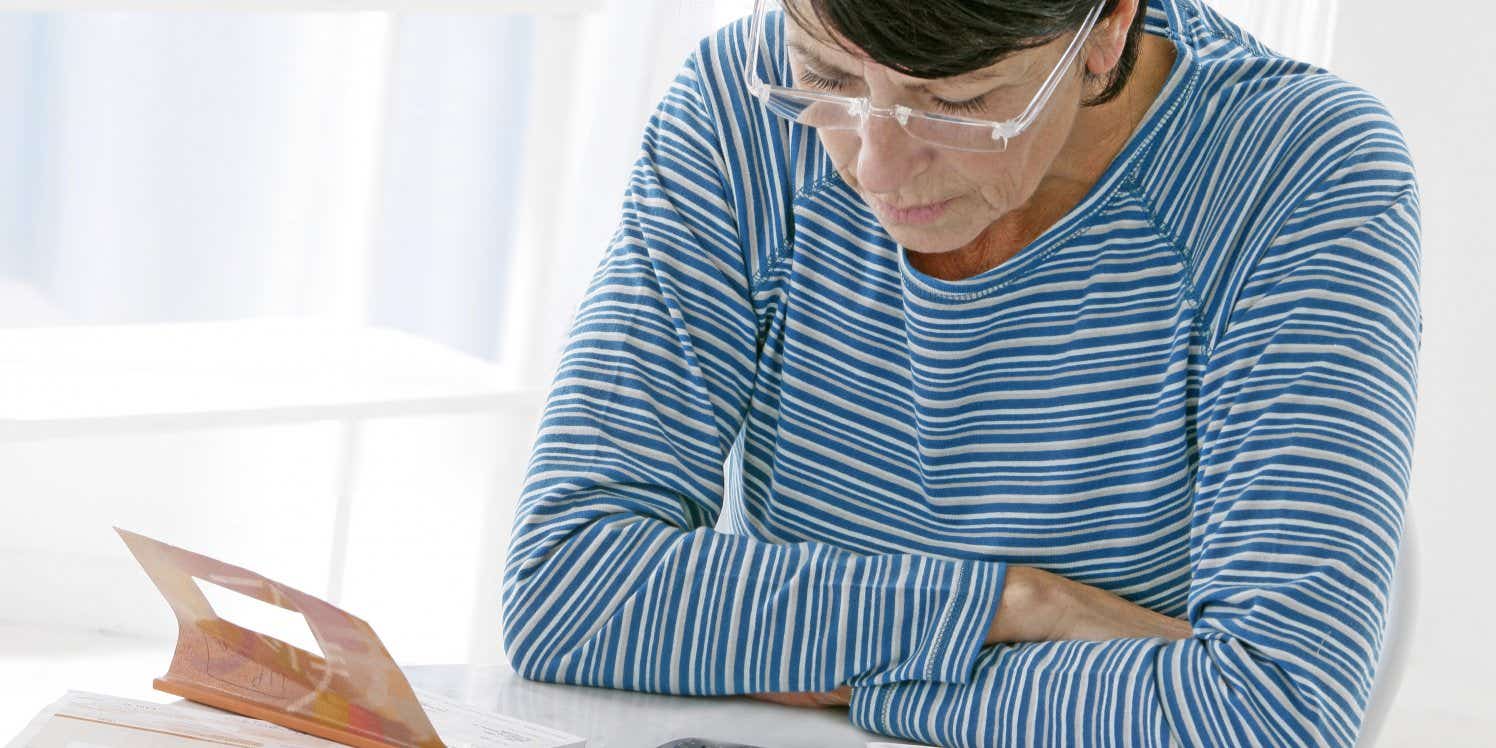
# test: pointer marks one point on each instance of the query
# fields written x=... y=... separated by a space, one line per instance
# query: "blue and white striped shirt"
x=1196 y=390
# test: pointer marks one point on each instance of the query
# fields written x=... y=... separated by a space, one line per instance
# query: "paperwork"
x=87 y=720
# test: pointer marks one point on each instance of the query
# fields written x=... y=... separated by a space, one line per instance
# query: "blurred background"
x=371 y=229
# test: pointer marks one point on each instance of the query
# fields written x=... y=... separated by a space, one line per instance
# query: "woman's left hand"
x=809 y=699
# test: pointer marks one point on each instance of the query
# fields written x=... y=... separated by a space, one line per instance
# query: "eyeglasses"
x=828 y=111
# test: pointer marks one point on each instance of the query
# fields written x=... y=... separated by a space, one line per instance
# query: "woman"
x=1063 y=359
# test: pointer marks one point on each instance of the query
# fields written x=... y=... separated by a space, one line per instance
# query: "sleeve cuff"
x=955 y=637
x=866 y=709
x=963 y=630
x=969 y=594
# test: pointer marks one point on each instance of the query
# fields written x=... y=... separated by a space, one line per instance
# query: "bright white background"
x=1433 y=65
x=353 y=167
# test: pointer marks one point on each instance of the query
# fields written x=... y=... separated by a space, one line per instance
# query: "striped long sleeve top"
x=1195 y=390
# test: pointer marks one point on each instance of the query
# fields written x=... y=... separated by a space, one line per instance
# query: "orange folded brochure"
x=354 y=694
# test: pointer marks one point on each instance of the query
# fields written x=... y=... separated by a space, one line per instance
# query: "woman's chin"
x=932 y=241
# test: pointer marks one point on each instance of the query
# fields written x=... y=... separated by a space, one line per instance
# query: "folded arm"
x=1039 y=606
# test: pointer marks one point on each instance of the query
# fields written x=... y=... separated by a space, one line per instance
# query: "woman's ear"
x=1109 y=38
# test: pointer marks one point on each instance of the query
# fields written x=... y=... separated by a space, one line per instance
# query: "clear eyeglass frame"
x=834 y=112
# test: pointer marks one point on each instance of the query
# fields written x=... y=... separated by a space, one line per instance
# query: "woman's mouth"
x=915 y=215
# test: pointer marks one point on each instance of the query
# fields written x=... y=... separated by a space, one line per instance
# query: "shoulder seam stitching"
x=1166 y=230
x=776 y=257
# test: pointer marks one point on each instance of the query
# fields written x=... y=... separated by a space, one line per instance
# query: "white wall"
x=1433 y=64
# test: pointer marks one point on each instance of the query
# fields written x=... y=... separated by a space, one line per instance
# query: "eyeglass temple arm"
x=1053 y=81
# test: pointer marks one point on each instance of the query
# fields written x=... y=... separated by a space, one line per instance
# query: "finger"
x=800 y=700
x=774 y=698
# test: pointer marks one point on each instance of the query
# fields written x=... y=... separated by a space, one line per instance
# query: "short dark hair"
x=943 y=38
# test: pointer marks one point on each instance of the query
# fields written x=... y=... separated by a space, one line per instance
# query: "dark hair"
x=942 y=38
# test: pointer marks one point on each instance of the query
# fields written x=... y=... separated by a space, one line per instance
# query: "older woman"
x=1061 y=356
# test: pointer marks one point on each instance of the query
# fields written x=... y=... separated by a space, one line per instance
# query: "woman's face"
x=932 y=199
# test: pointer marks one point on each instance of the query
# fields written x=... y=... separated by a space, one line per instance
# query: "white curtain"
x=629 y=53
x=206 y=166
x=362 y=166
x=188 y=166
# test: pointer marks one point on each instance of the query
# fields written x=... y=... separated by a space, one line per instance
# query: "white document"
x=88 y=720
x=463 y=726
x=94 y=720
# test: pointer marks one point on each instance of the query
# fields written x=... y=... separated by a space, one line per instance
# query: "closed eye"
x=968 y=106
x=825 y=82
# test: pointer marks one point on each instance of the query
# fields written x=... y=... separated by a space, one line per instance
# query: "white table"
x=626 y=719
x=123 y=379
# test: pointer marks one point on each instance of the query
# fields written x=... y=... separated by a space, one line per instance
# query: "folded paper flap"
x=356 y=694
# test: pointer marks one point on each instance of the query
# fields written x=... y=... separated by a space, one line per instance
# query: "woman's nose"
x=888 y=157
